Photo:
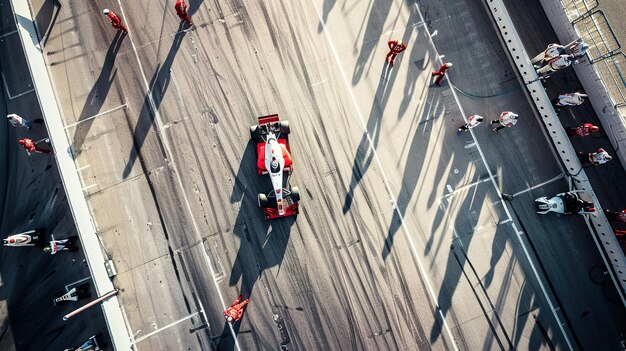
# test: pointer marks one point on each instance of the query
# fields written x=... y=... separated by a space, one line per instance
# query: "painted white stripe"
x=83 y=168
x=470 y=145
x=90 y=186
x=11 y=97
x=7 y=34
x=463 y=188
x=76 y=282
x=406 y=231
x=165 y=327
x=504 y=204
x=94 y=116
x=166 y=145
x=562 y=175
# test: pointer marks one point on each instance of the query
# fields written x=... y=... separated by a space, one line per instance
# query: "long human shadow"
x=414 y=165
x=152 y=101
x=373 y=29
x=194 y=6
x=365 y=152
x=328 y=6
x=97 y=95
x=263 y=243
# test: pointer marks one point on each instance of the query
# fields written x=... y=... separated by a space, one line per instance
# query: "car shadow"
x=263 y=243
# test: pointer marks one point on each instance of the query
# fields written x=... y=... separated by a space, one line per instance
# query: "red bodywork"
x=291 y=208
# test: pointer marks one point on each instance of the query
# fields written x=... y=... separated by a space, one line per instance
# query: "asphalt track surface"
x=34 y=198
x=402 y=241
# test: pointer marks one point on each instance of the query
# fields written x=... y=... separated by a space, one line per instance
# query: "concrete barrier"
x=96 y=258
x=601 y=230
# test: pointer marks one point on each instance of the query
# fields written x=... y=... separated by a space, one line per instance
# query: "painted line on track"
x=94 y=116
x=562 y=175
x=165 y=327
x=405 y=229
x=166 y=146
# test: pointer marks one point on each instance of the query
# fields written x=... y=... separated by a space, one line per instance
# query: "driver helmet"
x=229 y=318
x=106 y=11
x=449 y=64
x=46 y=249
x=274 y=162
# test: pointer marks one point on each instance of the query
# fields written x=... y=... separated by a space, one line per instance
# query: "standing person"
x=441 y=72
x=17 y=121
x=551 y=51
x=116 y=22
x=181 y=11
x=582 y=131
x=594 y=158
x=555 y=64
x=395 y=47
x=616 y=216
x=507 y=119
x=235 y=311
x=472 y=122
x=569 y=99
x=32 y=146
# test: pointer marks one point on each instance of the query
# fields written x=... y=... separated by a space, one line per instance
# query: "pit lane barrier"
x=97 y=261
x=599 y=226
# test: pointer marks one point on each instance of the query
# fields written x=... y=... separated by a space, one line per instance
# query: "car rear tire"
x=255 y=133
x=262 y=199
x=284 y=127
x=295 y=194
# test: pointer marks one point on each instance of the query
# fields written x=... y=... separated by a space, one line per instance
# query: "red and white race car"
x=28 y=238
x=274 y=158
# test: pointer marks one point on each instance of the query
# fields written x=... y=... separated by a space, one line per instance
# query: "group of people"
x=116 y=22
x=31 y=146
x=554 y=58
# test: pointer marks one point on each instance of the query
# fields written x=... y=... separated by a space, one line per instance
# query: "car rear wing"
x=268 y=119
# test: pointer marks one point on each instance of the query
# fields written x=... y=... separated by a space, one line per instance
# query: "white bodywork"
x=274 y=163
x=554 y=204
x=22 y=239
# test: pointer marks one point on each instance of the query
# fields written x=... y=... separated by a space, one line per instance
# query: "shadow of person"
x=97 y=95
x=328 y=6
x=373 y=29
x=152 y=101
x=366 y=150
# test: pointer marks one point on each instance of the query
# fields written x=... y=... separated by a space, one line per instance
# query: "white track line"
x=562 y=175
x=518 y=233
x=94 y=116
x=166 y=145
x=165 y=327
x=7 y=34
x=76 y=282
x=347 y=83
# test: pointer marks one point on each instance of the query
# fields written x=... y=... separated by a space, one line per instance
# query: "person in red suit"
x=395 y=47
x=582 y=131
x=181 y=11
x=32 y=146
x=116 y=22
x=235 y=311
x=441 y=72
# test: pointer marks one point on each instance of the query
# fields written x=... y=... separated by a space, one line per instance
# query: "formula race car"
x=565 y=203
x=274 y=158
x=28 y=238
